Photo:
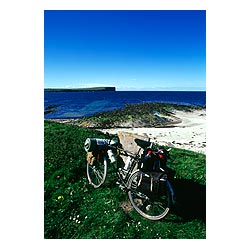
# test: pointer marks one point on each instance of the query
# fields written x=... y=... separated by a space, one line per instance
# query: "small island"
x=79 y=89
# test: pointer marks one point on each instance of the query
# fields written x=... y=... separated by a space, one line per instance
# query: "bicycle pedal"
x=123 y=188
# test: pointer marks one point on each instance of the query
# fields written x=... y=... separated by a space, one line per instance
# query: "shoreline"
x=189 y=134
x=185 y=128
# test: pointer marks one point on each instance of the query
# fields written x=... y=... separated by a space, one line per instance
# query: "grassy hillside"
x=73 y=209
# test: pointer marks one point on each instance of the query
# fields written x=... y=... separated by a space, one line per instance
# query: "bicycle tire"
x=97 y=171
x=152 y=209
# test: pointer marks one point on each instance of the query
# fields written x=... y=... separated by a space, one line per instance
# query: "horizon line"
x=93 y=88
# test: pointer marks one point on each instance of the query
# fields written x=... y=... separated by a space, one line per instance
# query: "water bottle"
x=111 y=156
x=127 y=163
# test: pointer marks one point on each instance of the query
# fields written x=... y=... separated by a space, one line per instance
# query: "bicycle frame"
x=135 y=162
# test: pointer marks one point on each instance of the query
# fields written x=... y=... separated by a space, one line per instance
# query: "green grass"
x=73 y=209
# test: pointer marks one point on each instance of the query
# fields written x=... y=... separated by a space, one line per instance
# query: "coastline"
x=189 y=133
x=187 y=129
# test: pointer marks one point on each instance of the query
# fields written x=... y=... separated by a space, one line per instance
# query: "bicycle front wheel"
x=152 y=208
x=97 y=171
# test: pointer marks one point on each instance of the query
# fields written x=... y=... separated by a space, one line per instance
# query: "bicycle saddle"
x=141 y=143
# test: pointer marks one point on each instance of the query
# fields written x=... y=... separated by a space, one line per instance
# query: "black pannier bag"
x=152 y=184
x=153 y=176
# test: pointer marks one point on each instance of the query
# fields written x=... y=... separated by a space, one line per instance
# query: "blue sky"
x=131 y=50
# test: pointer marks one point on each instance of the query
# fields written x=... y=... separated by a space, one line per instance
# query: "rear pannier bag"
x=152 y=184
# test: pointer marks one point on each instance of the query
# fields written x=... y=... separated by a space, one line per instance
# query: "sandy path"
x=189 y=134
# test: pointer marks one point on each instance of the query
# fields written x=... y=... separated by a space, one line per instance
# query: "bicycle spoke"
x=150 y=207
x=97 y=172
x=98 y=175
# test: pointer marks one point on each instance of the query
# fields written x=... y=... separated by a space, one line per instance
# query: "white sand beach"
x=189 y=134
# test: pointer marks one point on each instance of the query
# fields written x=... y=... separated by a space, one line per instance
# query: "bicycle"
x=102 y=153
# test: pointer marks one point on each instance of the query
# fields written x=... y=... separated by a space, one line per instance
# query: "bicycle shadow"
x=190 y=199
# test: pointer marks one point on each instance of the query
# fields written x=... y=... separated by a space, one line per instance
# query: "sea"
x=65 y=105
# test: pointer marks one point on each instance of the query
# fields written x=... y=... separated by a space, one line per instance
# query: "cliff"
x=79 y=89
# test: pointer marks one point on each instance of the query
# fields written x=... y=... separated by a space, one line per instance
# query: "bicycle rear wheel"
x=154 y=208
x=97 y=171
